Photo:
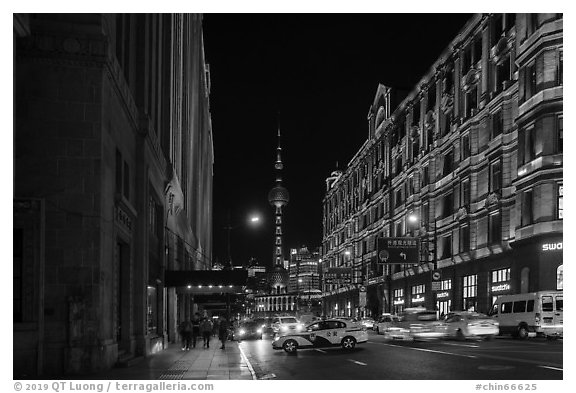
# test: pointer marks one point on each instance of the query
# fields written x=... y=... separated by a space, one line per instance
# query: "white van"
x=530 y=314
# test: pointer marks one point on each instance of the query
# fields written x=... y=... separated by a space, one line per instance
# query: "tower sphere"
x=278 y=196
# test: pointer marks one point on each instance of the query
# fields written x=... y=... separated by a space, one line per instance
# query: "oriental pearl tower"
x=278 y=198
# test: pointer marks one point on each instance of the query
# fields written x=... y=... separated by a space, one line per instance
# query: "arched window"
x=560 y=277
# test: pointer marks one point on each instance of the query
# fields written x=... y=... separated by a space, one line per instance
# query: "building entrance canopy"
x=207 y=281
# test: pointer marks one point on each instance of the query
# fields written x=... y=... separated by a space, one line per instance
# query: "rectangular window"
x=519 y=306
x=506 y=308
x=447 y=205
x=560 y=143
x=446 y=247
x=560 y=201
x=431 y=103
x=416 y=113
x=497 y=124
x=464 y=239
x=465 y=192
x=527 y=152
x=500 y=275
x=527 y=216
x=126 y=179
x=446 y=284
x=530 y=306
x=448 y=163
x=465 y=147
x=469 y=292
x=471 y=102
x=495 y=176
x=494 y=228
x=425 y=176
x=530 y=80
x=425 y=213
x=547 y=304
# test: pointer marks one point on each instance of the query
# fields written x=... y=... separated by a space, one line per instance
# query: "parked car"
x=367 y=322
x=247 y=330
x=321 y=334
x=530 y=314
x=469 y=324
x=283 y=325
x=416 y=323
x=384 y=322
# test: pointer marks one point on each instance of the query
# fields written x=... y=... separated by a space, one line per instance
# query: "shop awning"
x=207 y=281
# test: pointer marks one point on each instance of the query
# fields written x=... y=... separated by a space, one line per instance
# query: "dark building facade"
x=471 y=164
x=112 y=185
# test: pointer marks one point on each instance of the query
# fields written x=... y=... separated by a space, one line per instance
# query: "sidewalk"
x=197 y=363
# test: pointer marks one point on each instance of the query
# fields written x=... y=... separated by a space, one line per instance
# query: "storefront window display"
x=469 y=292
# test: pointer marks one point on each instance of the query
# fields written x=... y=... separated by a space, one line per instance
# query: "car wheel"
x=290 y=346
x=348 y=342
x=460 y=335
x=522 y=332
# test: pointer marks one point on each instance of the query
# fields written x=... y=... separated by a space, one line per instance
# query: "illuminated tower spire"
x=278 y=197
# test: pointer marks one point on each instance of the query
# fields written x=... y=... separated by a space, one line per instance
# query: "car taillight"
x=537 y=317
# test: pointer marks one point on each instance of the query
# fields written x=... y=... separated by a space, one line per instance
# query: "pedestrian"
x=206 y=331
x=223 y=332
x=195 y=329
x=185 y=329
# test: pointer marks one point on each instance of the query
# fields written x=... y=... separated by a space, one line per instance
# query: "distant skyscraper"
x=278 y=197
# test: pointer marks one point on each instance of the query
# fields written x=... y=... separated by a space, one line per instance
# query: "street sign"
x=436 y=285
x=436 y=275
x=338 y=275
x=362 y=288
x=398 y=250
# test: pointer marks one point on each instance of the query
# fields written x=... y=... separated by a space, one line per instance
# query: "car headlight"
x=299 y=327
x=242 y=332
x=259 y=331
x=284 y=328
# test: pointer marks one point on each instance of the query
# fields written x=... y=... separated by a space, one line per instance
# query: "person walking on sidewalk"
x=206 y=331
x=223 y=332
x=185 y=329
x=195 y=329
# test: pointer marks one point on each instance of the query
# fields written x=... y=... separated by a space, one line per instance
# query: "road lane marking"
x=552 y=368
x=431 y=350
x=357 y=362
x=463 y=345
x=252 y=372
x=320 y=350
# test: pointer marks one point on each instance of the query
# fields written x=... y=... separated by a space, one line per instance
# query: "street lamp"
x=253 y=219
x=412 y=218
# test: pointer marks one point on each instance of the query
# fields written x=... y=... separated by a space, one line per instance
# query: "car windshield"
x=288 y=320
x=250 y=325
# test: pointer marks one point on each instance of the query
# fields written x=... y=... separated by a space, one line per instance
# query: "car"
x=469 y=324
x=282 y=325
x=322 y=334
x=246 y=330
x=367 y=322
x=416 y=323
x=384 y=322
x=265 y=323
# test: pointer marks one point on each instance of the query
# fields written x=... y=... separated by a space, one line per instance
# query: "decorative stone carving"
x=470 y=79
x=492 y=199
x=447 y=102
x=430 y=119
x=462 y=213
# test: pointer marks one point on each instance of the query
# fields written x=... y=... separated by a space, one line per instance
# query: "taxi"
x=322 y=334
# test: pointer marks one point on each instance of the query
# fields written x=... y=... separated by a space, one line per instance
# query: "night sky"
x=316 y=76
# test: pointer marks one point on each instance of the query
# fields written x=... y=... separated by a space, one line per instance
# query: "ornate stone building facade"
x=471 y=163
x=113 y=185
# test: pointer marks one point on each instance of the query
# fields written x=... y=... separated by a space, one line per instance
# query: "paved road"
x=499 y=359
